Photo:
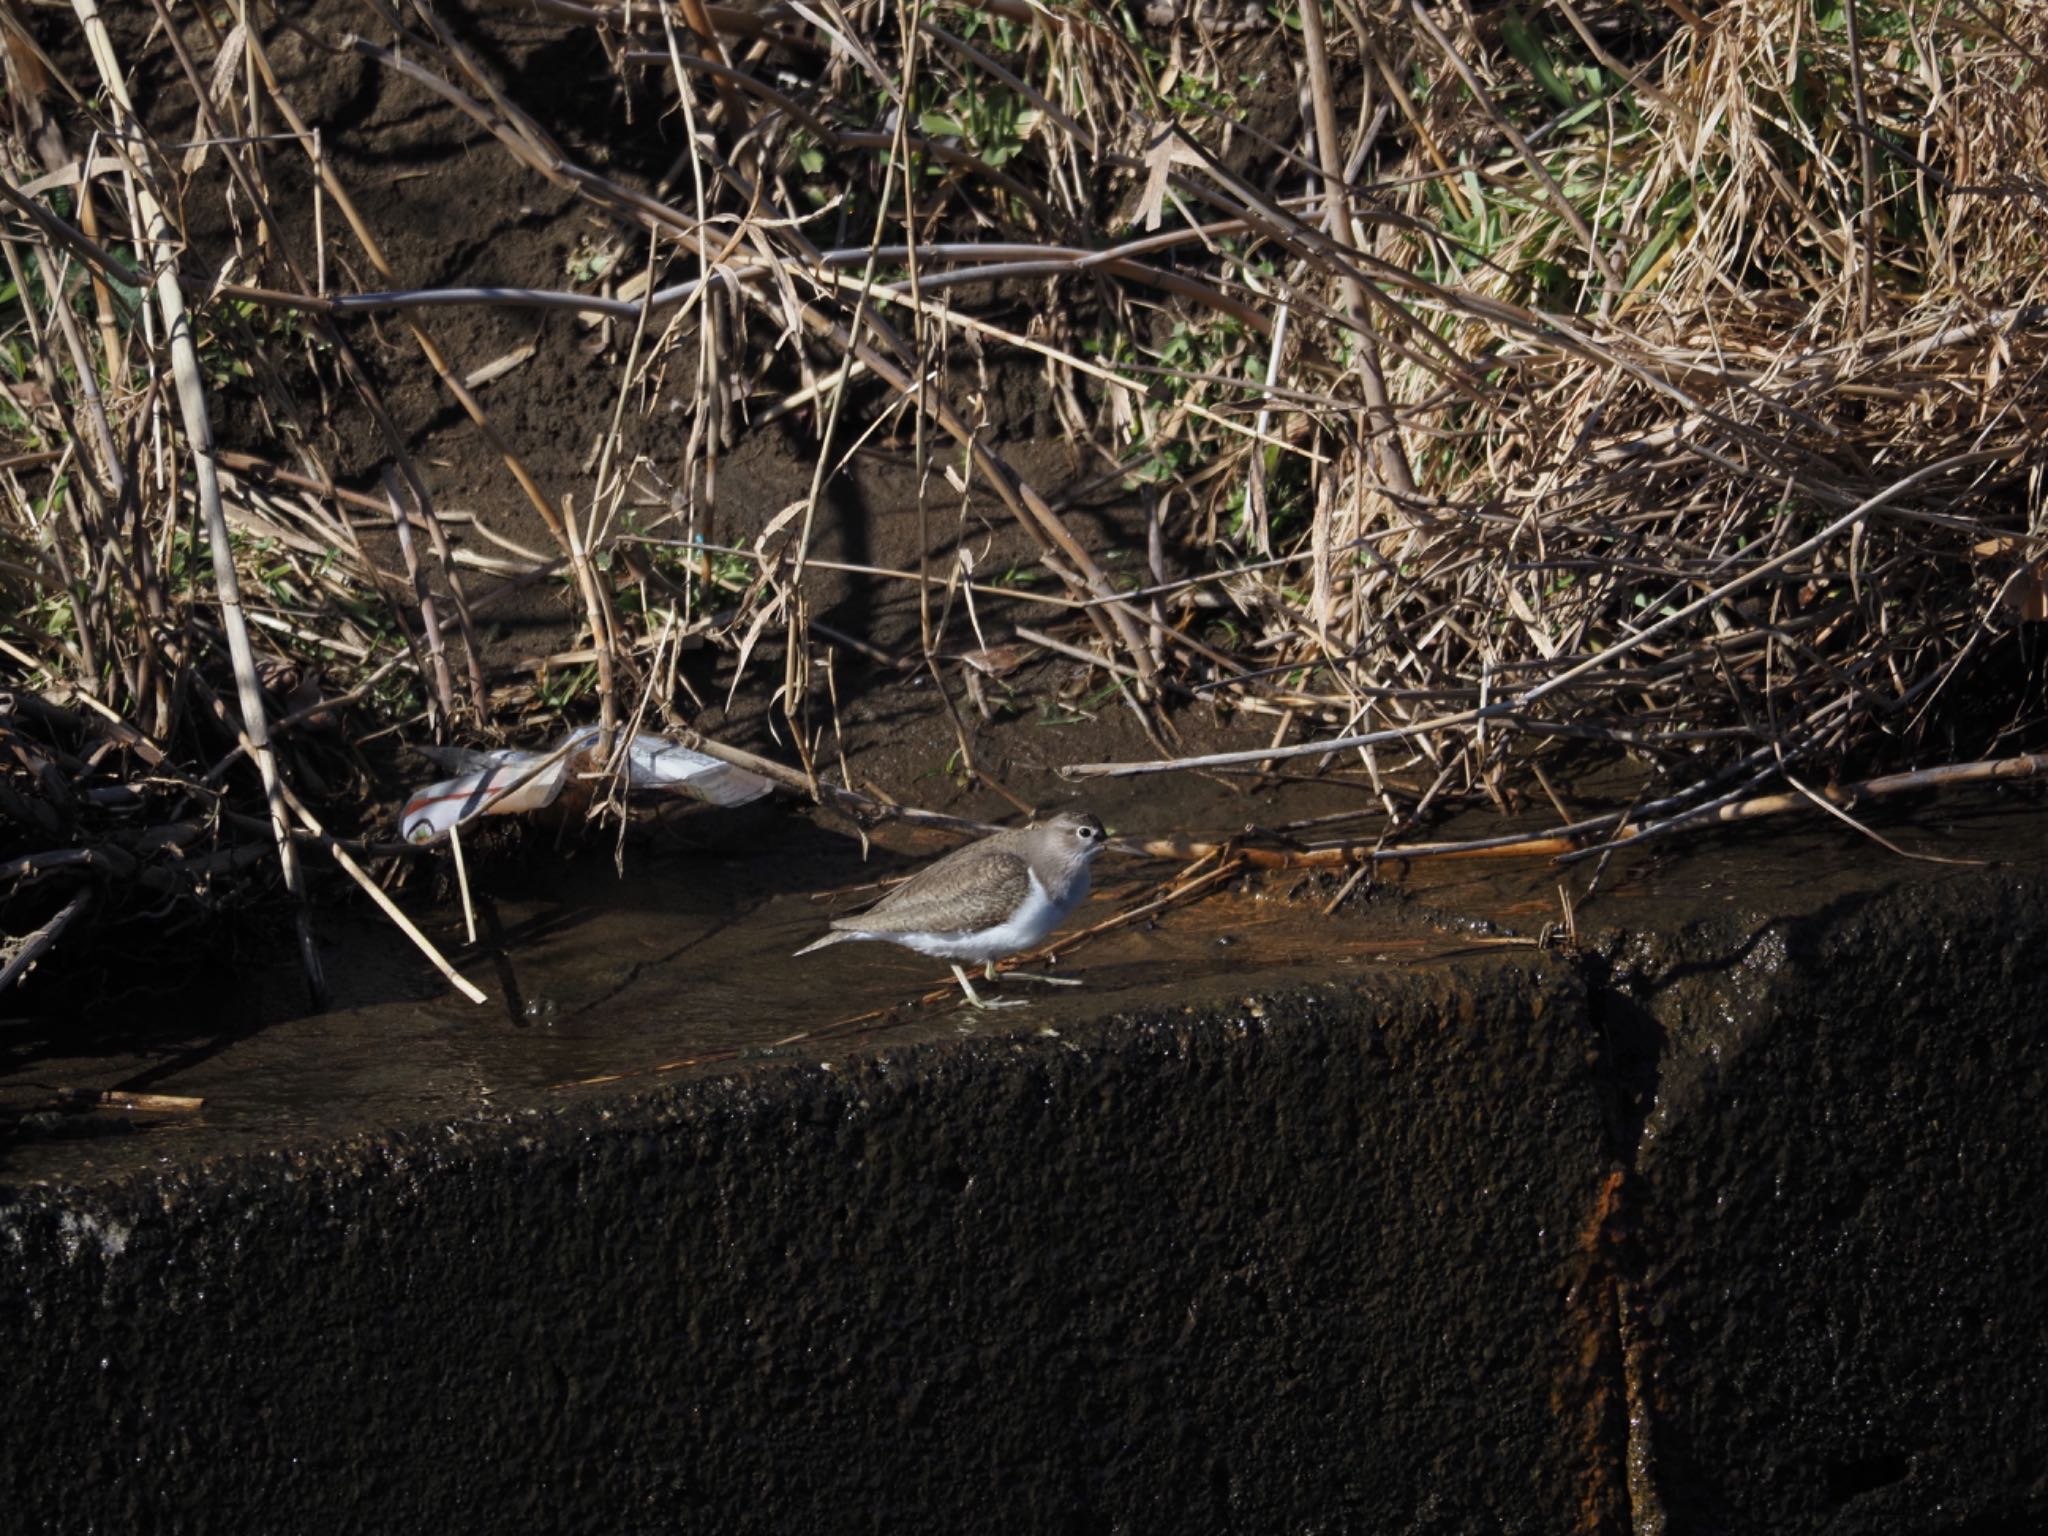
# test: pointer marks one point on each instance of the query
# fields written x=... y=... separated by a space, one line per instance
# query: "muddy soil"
x=449 y=208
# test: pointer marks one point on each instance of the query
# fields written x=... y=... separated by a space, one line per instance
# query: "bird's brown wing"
x=965 y=892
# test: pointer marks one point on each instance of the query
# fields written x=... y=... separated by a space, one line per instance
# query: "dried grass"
x=1594 y=376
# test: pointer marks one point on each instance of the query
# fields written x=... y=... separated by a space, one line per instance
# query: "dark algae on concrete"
x=1726 y=1223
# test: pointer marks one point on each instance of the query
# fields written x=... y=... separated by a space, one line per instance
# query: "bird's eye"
x=1086 y=834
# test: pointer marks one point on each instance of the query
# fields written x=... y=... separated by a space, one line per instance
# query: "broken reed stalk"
x=423 y=596
x=1945 y=776
x=337 y=848
x=1386 y=435
x=21 y=954
x=387 y=906
x=192 y=405
x=462 y=883
x=121 y=1098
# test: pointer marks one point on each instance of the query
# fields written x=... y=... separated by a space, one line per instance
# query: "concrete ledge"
x=1299 y=1264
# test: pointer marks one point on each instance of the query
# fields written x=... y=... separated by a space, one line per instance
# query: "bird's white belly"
x=1033 y=920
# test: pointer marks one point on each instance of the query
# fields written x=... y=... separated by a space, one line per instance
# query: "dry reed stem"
x=192 y=404
x=22 y=953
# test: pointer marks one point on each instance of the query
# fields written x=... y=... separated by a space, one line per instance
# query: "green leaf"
x=1529 y=50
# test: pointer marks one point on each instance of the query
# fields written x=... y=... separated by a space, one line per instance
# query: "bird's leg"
x=975 y=999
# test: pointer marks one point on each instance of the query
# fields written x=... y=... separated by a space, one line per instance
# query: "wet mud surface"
x=683 y=966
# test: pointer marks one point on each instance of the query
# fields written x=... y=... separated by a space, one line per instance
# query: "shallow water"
x=685 y=965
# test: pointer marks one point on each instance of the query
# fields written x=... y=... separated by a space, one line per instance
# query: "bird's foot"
x=976 y=1000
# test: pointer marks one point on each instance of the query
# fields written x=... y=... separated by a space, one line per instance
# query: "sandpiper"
x=993 y=898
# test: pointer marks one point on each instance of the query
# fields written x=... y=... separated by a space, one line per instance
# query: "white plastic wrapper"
x=505 y=781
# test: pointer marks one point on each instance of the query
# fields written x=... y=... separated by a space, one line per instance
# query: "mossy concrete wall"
x=1731 y=1228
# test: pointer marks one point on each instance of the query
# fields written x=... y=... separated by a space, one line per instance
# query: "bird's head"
x=1078 y=835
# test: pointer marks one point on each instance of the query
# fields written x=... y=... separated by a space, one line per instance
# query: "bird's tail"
x=828 y=940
